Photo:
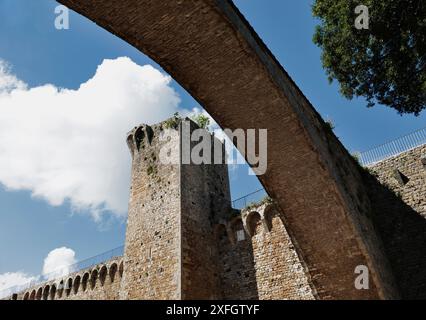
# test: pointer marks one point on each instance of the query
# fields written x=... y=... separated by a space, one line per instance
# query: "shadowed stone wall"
x=399 y=213
x=259 y=260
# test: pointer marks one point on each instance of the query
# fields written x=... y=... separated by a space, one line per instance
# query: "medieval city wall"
x=258 y=258
x=100 y=282
x=184 y=241
x=397 y=189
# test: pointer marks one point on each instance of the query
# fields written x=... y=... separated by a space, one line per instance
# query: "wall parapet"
x=393 y=148
x=80 y=266
x=97 y=282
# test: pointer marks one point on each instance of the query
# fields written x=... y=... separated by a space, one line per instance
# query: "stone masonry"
x=399 y=214
x=185 y=241
x=211 y=50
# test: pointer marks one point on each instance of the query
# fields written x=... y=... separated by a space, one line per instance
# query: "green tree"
x=385 y=63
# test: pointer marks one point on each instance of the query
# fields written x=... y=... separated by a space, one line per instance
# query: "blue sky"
x=39 y=54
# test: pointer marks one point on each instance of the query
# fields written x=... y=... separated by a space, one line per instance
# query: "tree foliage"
x=385 y=63
x=202 y=120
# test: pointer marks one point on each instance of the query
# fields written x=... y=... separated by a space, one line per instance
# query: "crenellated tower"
x=170 y=250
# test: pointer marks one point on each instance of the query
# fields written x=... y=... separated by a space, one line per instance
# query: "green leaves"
x=386 y=64
x=202 y=120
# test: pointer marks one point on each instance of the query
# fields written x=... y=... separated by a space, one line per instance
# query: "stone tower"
x=170 y=251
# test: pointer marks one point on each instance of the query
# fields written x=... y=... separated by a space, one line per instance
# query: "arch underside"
x=211 y=50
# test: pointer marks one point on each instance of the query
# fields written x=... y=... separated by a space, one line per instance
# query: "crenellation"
x=261 y=262
x=98 y=282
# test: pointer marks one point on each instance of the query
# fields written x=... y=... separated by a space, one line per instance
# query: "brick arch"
x=93 y=278
x=53 y=292
x=68 y=287
x=226 y=67
x=139 y=137
x=39 y=294
x=46 y=292
x=85 y=281
x=76 y=284
x=112 y=272
x=103 y=275
x=26 y=296
x=270 y=212
x=33 y=295
x=253 y=221
x=61 y=288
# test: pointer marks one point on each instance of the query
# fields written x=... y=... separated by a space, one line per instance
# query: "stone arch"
x=39 y=294
x=270 y=214
x=68 y=287
x=253 y=221
x=93 y=279
x=139 y=137
x=112 y=271
x=85 y=281
x=76 y=285
x=61 y=289
x=46 y=292
x=33 y=295
x=221 y=235
x=214 y=85
x=121 y=269
x=26 y=296
x=238 y=230
x=53 y=292
x=102 y=275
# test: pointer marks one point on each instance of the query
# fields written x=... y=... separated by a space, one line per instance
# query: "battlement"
x=258 y=258
x=139 y=137
x=182 y=136
x=99 y=282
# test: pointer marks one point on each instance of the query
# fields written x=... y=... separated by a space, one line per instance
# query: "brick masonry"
x=185 y=241
x=399 y=213
x=100 y=282
x=258 y=260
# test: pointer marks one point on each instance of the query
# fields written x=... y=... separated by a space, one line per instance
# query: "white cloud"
x=59 y=263
x=9 y=82
x=70 y=145
x=13 y=279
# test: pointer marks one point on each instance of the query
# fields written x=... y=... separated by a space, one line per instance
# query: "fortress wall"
x=236 y=264
x=205 y=196
x=405 y=174
x=399 y=212
x=279 y=271
x=258 y=258
x=101 y=282
x=153 y=241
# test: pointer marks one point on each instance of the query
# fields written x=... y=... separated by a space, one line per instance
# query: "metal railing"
x=249 y=199
x=64 y=271
x=393 y=148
